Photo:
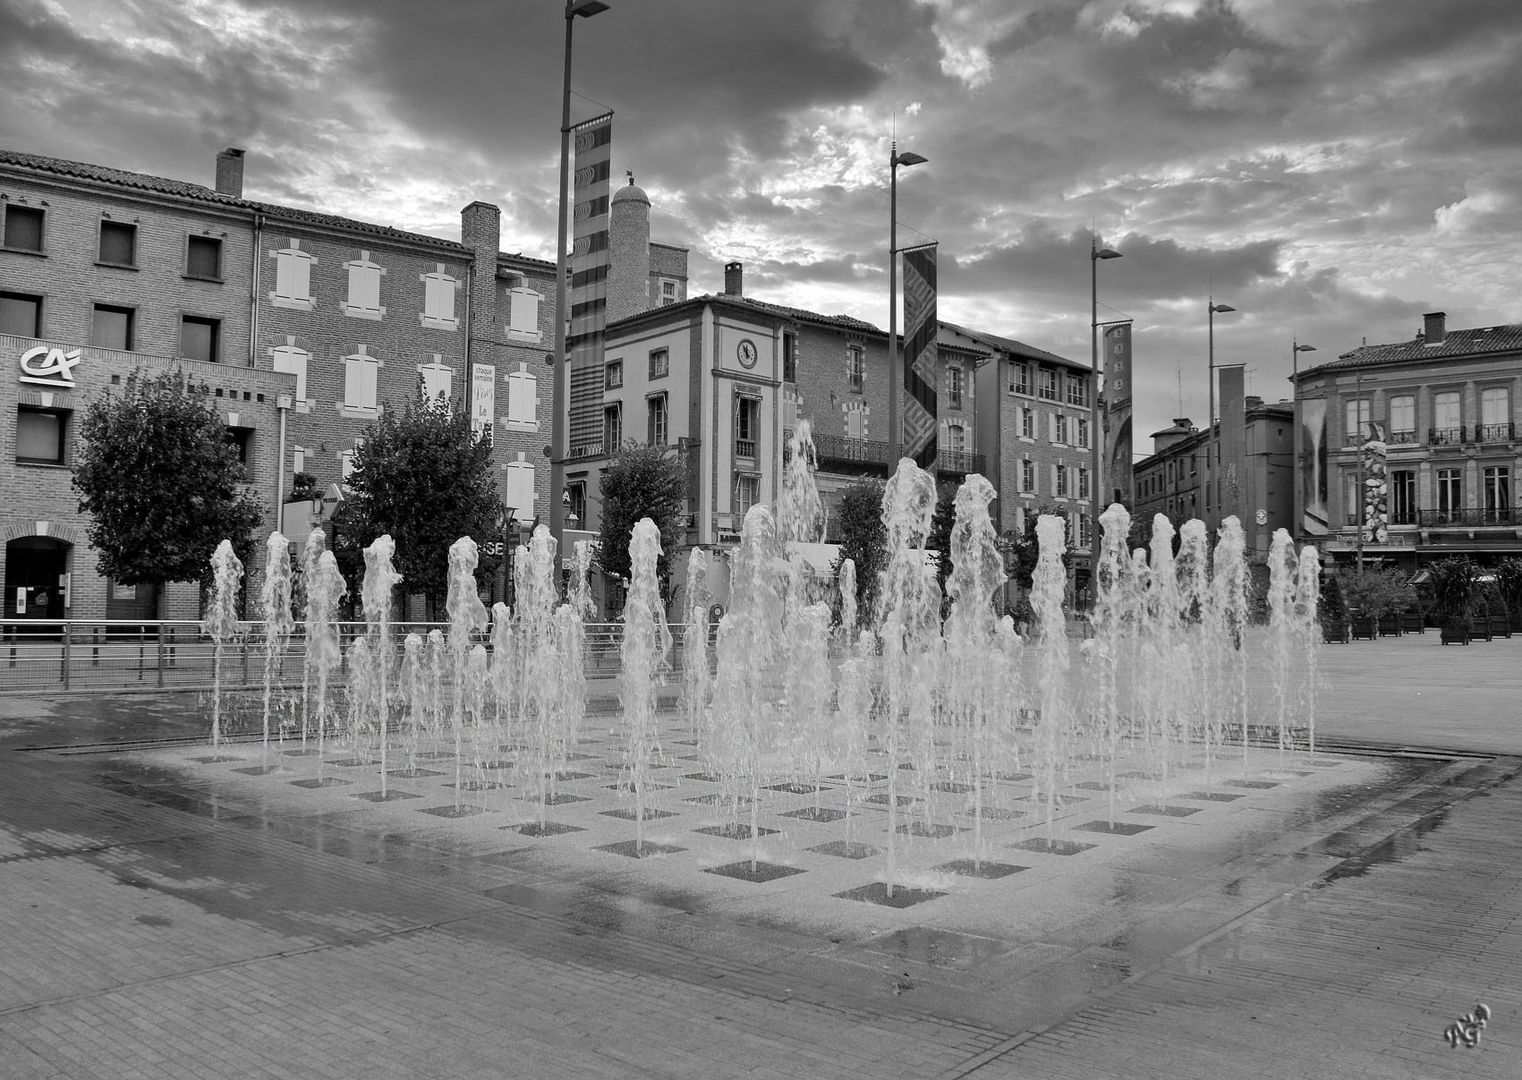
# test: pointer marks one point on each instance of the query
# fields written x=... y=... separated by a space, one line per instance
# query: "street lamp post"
x=1096 y=253
x=895 y=352
x=1212 y=445
x=507 y=529
x=1294 y=472
x=559 y=423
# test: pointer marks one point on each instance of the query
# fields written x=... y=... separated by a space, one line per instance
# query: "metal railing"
x=838 y=449
x=1447 y=436
x=1495 y=433
x=50 y=655
x=958 y=461
x=1469 y=517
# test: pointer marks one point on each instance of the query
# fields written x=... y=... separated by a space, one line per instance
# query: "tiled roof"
x=1013 y=347
x=844 y=322
x=1455 y=343
x=181 y=189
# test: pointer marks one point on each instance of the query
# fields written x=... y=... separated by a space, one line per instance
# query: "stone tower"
x=628 y=253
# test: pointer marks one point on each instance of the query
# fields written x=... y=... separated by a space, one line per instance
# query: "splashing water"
x=466 y=615
x=697 y=679
x=311 y=551
x=646 y=657
x=221 y=623
x=325 y=587
x=381 y=579
x=275 y=597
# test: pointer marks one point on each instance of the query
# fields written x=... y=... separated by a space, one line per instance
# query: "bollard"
x=68 y=639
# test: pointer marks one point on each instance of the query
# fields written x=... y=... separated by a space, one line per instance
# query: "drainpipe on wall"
x=253 y=300
x=283 y=404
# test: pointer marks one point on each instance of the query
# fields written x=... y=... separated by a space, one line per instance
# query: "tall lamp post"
x=1294 y=471
x=560 y=422
x=1212 y=446
x=895 y=350
x=1096 y=253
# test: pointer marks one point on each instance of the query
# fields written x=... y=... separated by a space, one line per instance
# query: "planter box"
x=1412 y=622
x=1389 y=626
x=1455 y=634
x=1336 y=633
x=1500 y=626
x=1365 y=627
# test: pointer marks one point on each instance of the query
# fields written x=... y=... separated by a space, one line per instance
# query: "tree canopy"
x=863 y=541
x=641 y=482
x=426 y=478
x=161 y=482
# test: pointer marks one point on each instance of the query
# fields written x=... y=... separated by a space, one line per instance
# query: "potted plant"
x=1455 y=591
x=1508 y=585
x=1336 y=628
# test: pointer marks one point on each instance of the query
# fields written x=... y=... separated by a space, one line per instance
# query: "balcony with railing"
x=836 y=451
x=1489 y=433
x=958 y=462
x=1446 y=436
x=1470 y=517
x=745 y=448
x=1407 y=437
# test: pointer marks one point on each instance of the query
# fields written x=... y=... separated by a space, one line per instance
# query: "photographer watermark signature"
x=1466 y=1029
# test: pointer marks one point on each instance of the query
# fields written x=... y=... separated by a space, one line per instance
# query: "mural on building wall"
x=589 y=277
x=920 y=355
x=1376 y=518
x=1310 y=470
x=1117 y=412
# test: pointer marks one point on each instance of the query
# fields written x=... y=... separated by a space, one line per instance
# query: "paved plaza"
x=1325 y=914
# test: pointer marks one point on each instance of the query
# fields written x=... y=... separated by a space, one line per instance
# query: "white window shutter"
x=523 y=315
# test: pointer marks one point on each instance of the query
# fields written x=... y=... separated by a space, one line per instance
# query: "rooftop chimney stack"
x=1434 y=327
x=230 y=172
x=734 y=279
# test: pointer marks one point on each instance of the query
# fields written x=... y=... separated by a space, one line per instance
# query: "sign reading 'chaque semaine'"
x=48 y=365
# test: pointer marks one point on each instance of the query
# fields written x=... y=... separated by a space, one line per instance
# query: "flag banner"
x=593 y=142
x=1231 y=478
x=1376 y=517
x=483 y=398
x=920 y=358
x=1116 y=351
x=1311 y=470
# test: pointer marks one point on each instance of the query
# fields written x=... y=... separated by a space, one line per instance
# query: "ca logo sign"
x=48 y=365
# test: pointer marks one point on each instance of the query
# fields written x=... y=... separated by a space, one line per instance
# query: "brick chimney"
x=230 y=172
x=734 y=279
x=1434 y=327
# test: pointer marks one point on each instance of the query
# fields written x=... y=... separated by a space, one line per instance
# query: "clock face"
x=746 y=352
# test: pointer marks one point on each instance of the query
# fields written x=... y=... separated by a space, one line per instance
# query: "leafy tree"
x=1455 y=589
x=863 y=540
x=427 y=479
x=641 y=482
x=1024 y=549
x=1377 y=592
x=1509 y=584
x=939 y=539
x=161 y=482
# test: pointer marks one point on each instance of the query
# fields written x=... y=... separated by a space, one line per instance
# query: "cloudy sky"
x=1332 y=168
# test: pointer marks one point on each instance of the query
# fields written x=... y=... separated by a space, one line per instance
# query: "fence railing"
x=47 y=655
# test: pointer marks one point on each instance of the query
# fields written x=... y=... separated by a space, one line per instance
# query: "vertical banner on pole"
x=1311 y=470
x=593 y=143
x=483 y=399
x=1117 y=414
x=1376 y=517
x=920 y=327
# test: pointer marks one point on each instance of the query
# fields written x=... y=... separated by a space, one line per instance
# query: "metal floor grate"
x=756 y=872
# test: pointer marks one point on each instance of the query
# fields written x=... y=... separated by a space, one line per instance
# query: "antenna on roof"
x=630 y=174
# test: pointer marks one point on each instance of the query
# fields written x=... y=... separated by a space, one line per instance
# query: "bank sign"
x=48 y=365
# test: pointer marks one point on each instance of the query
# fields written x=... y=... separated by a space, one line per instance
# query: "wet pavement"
x=169 y=917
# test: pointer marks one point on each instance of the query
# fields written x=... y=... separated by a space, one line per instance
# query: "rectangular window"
x=1048 y=383
x=1020 y=382
x=293 y=360
x=361 y=372
x=203 y=258
x=954 y=387
x=41 y=435
x=241 y=439
x=1083 y=531
x=1060 y=480
x=523 y=314
x=1450 y=494
x=364 y=280
x=522 y=399
x=1028 y=476
x=855 y=367
x=438 y=382
x=613 y=375
x=660 y=364
x=1027 y=423
x=1083 y=482
x=1356 y=420
x=293 y=277
x=668 y=292
x=1078 y=391
x=612 y=427
x=439 y=290
x=577 y=510
x=789 y=358
x=1060 y=429
x=111 y=328
x=1497 y=482
x=747 y=493
x=1403 y=419
x=1495 y=414
x=20 y=314
x=747 y=426
x=23 y=228
x=118 y=243
x=655 y=420
x=1447 y=418
x=1082 y=438
x=1352 y=498
x=1402 y=497
x=198 y=338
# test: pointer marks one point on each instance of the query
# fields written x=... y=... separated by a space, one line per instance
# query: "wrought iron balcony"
x=837 y=450
x=1495 y=433
x=1448 y=436
x=1469 y=517
x=961 y=462
x=1404 y=438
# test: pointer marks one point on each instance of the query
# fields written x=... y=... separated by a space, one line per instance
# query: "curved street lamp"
x=895 y=351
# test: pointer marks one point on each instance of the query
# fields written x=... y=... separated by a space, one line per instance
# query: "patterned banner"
x=593 y=140
x=1310 y=470
x=1117 y=414
x=1376 y=518
x=483 y=398
x=920 y=329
